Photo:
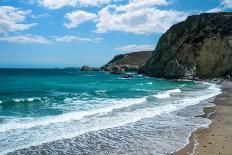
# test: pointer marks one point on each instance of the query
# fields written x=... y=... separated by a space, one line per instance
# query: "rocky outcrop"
x=199 y=47
x=127 y=62
x=88 y=68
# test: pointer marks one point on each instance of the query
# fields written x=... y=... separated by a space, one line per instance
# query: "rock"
x=127 y=76
x=96 y=69
x=200 y=47
x=88 y=68
x=117 y=70
x=127 y=62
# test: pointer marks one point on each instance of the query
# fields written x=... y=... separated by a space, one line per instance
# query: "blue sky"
x=62 y=33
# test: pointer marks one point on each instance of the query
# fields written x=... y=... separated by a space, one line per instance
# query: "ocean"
x=65 y=111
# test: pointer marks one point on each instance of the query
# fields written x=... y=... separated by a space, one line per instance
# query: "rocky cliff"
x=127 y=62
x=199 y=47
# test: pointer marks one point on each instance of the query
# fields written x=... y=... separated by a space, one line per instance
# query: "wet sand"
x=217 y=139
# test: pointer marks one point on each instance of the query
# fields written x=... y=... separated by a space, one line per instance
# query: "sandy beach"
x=217 y=139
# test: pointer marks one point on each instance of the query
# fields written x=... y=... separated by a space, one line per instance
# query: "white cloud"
x=71 y=38
x=13 y=19
x=78 y=17
x=138 y=17
x=56 y=4
x=214 y=10
x=135 y=48
x=23 y=39
x=28 y=38
x=96 y=3
x=43 y=15
x=140 y=4
x=227 y=3
x=29 y=1
x=137 y=20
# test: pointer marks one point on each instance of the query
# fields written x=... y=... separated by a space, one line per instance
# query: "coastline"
x=217 y=138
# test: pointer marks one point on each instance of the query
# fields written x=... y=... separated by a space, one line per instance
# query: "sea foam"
x=31 y=99
x=73 y=116
x=101 y=91
x=167 y=94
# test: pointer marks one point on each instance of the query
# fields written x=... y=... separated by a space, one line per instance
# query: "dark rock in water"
x=200 y=47
x=127 y=76
x=88 y=68
x=116 y=72
x=127 y=62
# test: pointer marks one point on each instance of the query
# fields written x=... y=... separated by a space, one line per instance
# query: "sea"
x=65 y=111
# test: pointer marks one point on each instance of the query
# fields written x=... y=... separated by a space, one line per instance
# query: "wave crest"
x=73 y=116
x=31 y=99
x=167 y=94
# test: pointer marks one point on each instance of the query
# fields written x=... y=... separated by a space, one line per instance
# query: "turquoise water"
x=47 y=106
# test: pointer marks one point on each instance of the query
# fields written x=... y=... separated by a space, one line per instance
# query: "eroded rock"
x=199 y=47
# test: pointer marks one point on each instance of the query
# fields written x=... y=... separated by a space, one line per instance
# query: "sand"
x=217 y=139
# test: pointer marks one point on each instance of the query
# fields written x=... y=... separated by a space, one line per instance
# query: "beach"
x=216 y=139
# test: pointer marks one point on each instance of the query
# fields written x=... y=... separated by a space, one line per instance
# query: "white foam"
x=0 y=102
x=162 y=95
x=28 y=99
x=18 y=100
x=131 y=73
x=149 y=83
x=122 y=78
x=145 y=90
x=175 y=91
x=167 y=94
x=33 y=99
x=212 y=91
x=101 y=91
x=72 y=116
x=85 y=94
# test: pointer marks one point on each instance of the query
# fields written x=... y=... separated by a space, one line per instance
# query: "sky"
x=72 y=33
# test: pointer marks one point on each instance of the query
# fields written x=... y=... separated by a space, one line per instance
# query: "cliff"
x=127 y=62
x=199 y=47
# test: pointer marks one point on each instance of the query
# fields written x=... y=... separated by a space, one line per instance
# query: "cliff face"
x=128 y=62
x=200 y=47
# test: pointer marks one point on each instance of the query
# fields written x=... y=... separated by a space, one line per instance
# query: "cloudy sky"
x=62 y=33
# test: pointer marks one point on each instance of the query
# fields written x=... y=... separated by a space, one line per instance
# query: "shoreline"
x=217 y=138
